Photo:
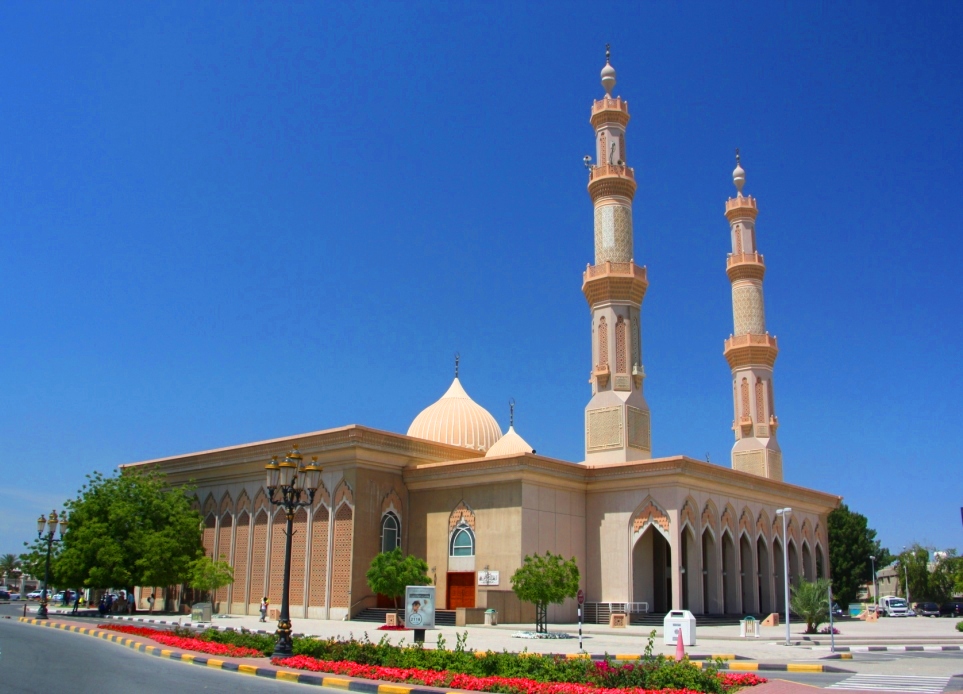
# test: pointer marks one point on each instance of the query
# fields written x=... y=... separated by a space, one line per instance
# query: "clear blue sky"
x=223 y=222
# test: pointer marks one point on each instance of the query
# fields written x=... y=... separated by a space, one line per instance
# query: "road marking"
x=892 y=683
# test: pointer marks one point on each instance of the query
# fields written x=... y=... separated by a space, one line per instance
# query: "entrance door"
x=461 y=589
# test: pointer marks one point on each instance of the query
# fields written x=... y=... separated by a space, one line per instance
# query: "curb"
x=897 y=649
x=368 y=686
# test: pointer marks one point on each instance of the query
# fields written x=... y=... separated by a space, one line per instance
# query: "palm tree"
x=9 y=566
x=811 y=602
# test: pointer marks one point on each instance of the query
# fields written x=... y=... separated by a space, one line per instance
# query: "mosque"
x=649 y=534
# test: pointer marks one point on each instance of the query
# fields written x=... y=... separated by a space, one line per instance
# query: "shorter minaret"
x=750 y=350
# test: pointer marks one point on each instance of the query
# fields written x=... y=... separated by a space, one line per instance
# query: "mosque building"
x=649 y=534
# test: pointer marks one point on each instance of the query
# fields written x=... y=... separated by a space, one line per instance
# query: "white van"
x=893 y=606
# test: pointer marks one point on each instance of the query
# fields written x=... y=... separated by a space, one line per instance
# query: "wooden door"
x=461 y=589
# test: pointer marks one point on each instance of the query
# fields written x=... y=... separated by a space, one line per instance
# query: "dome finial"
x=511 y=412
x=457 y=359
x=739 y=175
x=608 y=73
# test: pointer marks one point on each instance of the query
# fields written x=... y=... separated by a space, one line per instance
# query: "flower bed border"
x=184 y=643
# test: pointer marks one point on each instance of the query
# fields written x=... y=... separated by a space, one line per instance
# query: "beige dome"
x=458 y=420
x=509 y=444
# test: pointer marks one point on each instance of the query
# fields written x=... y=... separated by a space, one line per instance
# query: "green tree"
x=913 y=563
x=851 y=544
x=207 y=575
x=811 y=602
x=545 y=580
x=390 y=572
x=9 y=566
x=127 y=530
x=33 y=562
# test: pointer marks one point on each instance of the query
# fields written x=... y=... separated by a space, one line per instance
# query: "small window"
x=390 y=532
x=462 y=542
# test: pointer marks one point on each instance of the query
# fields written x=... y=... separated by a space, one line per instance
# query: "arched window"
x=390 y=532
x=462 y=541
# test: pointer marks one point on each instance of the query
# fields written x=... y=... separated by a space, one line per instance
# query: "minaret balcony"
x=742 y=266
x=607 y=180
x=601 y=374
x=751 y=350
x=614 y=282
x=741 y=206
x=609 y=110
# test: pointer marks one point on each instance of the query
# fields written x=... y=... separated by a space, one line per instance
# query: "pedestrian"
x=150 y=603
x=102 y=605
x=77 y=602
x=109 y=604
x=264 y=608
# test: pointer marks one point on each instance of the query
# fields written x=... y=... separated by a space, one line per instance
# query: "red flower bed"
x=453 y=680
x=186 y=644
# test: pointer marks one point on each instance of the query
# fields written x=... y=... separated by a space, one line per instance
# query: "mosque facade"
x=649 y=534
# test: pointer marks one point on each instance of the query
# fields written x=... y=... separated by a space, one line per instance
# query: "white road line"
x=893 y=683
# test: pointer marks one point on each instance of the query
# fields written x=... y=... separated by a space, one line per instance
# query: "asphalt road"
x=34 y=660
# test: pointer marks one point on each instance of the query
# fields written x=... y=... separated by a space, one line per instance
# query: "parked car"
x=927 y=609
x=953 y=608
x=837 y=610
x=14 y=596
x=4 y=595
x=34 y=595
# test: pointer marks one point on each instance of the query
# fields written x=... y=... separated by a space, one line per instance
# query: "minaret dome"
x=608 y=73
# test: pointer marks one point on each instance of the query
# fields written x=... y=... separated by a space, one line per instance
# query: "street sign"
x=581 y=593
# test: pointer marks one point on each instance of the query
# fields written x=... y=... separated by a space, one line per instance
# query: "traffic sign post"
x=581 y=600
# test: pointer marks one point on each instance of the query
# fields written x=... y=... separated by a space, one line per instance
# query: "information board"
x=420 y=607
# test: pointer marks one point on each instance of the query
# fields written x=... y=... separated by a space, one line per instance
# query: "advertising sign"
x=420 y=607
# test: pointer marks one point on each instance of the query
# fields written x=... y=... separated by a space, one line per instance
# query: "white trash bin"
x=676 y=621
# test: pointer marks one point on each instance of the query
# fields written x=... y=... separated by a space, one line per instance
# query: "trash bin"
x=679 y=621
x=748 y=627
x=201 y=612
x=491 y=618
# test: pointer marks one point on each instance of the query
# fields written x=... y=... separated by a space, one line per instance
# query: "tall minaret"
x=617 y=426
x=751 y=351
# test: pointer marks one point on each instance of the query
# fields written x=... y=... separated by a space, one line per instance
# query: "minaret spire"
x=617 y=426
x=751 y=351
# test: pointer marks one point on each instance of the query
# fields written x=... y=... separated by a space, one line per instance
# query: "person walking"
x=150 y=603
x=77 y=602
x=264 y=608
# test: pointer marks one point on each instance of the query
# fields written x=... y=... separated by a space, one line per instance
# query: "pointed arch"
x=210 y=506
x=746 y=524
x=807 y=531
x=195 y=503
x=763 y=524
x=621 y=355
x=793 y=530
x=689 y=515
x=462 y=513
x=649 y=513
x=322 y=497
x=728 y=519
x=227 y=503
x=391 y=503
x=710 y=517
x=603 y=342
x=243 y=502
x=261 y=500
x=343 y=494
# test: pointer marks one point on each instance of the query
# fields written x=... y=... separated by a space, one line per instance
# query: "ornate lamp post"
x=50 y=539
x=292 y=486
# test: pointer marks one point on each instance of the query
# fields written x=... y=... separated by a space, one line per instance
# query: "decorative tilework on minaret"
x=617 y=426
x=750 y=350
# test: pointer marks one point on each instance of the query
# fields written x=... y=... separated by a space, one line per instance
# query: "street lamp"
x=906 y=575
x=785 y=564
x=49 y=538
x=875 y=589
x=288 y=482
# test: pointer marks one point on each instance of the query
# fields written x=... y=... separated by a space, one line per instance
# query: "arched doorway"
x=730 y=585
x=793 y=563
x=651 y=570
x=807 y=562
x=820 y=564
x=746 y=574
x=691 y=577
x=778 y=575
x=712 y=601
x=765 y=576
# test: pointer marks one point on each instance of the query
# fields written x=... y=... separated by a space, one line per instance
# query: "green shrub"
x=959 y=626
